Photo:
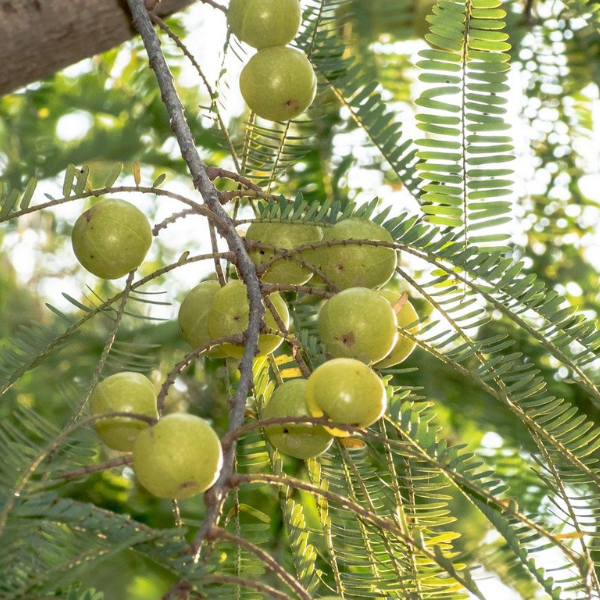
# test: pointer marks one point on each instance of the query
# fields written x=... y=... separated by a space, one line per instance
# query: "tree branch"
x=214 y=497
x=40 y=37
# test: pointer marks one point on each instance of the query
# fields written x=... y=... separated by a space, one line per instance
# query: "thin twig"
x=119 y=461
x=105 y=351
x=230 y=437
x=218 y=172
x=228 y=196
x=216 y=533
x=237 y=338
x=248 y=583
x=213 y=96
x=215 y=249
x=294 y=254
x=198 y=208
x=215 y=5
x=170 y=220
x=269 y=288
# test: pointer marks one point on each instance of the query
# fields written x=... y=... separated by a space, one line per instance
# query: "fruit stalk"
x=119 y=461
x=214 y=497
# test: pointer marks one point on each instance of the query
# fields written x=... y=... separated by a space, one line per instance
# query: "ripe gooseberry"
x=264 y=23
x=278 y=83
x=301 y=440
x=193 y=316
x=347 y=391
x=354 y=265
x=406 y=315
x=111 y=238
x=123 y=392
x=358 y=323
x=178 y=457
x=229 y=314
x=285 y=236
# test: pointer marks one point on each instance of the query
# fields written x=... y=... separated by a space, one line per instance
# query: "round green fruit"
x=111 y=238
x=406 y=315
x=264 y=23
x=123 y=392
x=301 y=440
x=193 y=316
x=347 y=391
x=278 y=83
x=285 y=236
x=354 y=265
x=358 y=323
x=178 y=457
x=229 y=314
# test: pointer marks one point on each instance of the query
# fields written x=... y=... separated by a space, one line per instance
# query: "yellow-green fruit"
x=406 y=315
x=123 y=392
x=285 y=236
x=178 y=457
x=347 y=391
x=278 y=83
x=354 y=265
x=301 y=440
x=229 y=314
x=111 y=238
x=358 y=323
x=264 y=23
x=193 y=316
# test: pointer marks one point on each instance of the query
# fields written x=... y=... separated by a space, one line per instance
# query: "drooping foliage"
x=464 y=128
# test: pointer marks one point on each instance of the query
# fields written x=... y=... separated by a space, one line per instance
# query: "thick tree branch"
x=40 y=37
x=214 y=497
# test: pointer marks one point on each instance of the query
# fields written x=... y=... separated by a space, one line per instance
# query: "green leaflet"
x=468 y=68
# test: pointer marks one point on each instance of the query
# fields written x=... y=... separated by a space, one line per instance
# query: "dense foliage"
x=465 y=128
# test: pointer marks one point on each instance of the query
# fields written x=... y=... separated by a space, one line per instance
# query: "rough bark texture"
x=40 y=37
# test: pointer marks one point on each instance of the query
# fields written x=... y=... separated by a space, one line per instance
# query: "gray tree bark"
x=40 y=37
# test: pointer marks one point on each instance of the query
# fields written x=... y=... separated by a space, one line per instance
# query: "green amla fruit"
x=193 y=316
x=301 y=440
x=354 y=265
x=346 y=391
x=358 y=323
x=285 y=236
x=178 y=457
x=406 y=315
x=278 y=83
x=111 y=238
x=264 y=23
x=123 y=392
x=229 y=314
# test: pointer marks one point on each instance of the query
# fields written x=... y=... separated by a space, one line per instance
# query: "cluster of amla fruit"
x=111 y=239
x=358 y=325
x=278 y=83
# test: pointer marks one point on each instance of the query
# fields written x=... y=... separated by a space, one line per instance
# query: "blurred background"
x=107 y=110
